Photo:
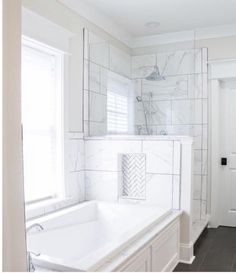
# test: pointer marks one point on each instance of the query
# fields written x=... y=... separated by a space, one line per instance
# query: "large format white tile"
x=94 y=77
x=96 y=128
x=159 y=156
x=75 y=155
x=173 y=87
x=98 y=107
x=102 y=186
x=179 y=62
x=139 y=115
x=159 y=190
x=195 y=86
x=119 y=84
x=160 y=112
x=106 y=155
x=120 y=61
x=75 y=186
x=187 y=112
x=197 y=60
x=104 y=80
x=98 y=50
x=197 y=133
x=137 y=87
x=142 y=65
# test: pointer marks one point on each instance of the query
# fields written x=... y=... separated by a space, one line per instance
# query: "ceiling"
x=130 y=16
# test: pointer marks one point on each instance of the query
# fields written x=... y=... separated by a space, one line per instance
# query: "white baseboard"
x=186 y=253
x=172 y=264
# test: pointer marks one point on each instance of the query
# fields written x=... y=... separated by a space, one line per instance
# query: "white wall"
x=219 y=48
x=14 y=246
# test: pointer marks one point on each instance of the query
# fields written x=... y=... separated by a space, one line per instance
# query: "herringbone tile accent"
x=134 y=176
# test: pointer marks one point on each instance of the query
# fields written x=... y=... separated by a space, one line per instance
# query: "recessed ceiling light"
x=152 y=25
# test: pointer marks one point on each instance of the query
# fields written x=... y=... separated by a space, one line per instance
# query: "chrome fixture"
x=36 y=225
x=155 y=75
x=139 y=99
x=163 y=133
x=30 y=265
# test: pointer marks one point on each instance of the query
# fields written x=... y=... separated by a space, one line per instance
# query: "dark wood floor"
x=215 y=251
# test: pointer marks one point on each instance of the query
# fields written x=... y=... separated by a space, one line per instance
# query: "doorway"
x=228 y=152
x=223 y=143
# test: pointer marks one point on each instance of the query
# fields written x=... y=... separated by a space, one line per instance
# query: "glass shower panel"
x=120 y=98
x=108 y=88
x=200 y=193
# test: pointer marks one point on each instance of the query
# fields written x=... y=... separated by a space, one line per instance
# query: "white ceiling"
x=130 y=16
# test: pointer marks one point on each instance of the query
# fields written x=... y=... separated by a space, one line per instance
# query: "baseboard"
x=186 y=253
x=172 y=264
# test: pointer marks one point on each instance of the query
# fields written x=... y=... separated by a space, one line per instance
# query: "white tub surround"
x=179 y=105
x=98 y=235
x=103 y=167
x=169 y=175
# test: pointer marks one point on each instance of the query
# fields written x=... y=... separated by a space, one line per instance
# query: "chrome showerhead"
x=155 y=75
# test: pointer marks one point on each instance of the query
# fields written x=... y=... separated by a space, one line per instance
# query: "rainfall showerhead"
x=155 y=75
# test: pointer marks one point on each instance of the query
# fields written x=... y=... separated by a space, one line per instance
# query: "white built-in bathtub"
x=88 y=236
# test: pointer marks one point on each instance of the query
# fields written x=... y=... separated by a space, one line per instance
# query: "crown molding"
x=184 y=36
x=104 y=22
x=99 y=19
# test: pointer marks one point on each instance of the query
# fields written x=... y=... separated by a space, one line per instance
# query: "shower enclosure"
x=158 y=90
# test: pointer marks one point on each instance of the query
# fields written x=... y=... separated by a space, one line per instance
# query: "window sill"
x=47 y=206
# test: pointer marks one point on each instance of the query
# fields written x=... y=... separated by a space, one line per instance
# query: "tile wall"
x=106 y=68
x=179 y=106
x=103 y=169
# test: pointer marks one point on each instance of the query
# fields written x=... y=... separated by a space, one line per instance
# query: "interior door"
x=228 y=154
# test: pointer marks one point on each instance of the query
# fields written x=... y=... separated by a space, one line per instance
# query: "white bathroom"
x=118 y=135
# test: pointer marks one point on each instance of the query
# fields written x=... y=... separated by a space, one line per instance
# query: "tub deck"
x=87 y=235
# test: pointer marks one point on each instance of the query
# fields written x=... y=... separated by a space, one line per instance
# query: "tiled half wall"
x=103 y=169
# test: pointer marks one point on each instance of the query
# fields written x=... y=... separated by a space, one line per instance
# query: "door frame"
x=218 y=70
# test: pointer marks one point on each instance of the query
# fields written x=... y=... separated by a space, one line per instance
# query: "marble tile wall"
x=106 y=68
x=74 y=167
x=103 y=169
x=179 y=106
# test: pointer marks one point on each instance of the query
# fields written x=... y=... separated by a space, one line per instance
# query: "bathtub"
x=86 y=236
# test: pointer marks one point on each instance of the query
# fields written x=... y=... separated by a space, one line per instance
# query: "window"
x=117 y=113
x=42 y=80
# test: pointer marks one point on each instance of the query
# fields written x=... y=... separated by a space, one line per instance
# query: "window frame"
x=60 y=193
x=118 y=113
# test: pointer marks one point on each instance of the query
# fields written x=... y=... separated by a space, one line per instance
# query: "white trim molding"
x=219 y=70
x=186 y=253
